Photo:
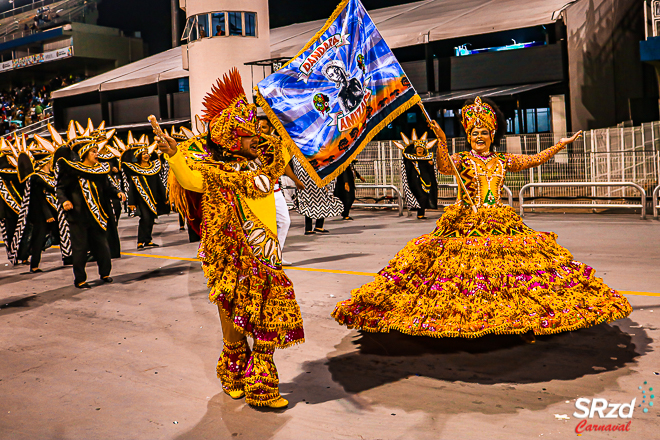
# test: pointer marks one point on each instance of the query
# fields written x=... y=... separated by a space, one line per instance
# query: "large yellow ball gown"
x=484 y=272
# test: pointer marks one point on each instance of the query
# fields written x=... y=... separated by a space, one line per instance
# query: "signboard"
x=38 y=58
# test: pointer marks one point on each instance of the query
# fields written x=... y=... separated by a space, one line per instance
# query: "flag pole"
x=453 y=165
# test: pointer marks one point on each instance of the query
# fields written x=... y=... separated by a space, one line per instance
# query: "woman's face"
x=480 y=140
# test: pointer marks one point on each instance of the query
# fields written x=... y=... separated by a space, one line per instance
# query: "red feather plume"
x=222 y=94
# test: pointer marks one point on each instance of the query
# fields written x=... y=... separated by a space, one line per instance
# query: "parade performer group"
x=482 y=270
x=223 y=182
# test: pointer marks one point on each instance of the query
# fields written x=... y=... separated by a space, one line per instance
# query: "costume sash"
x=90 y=193
x=15 y=244
x=13 y=200
x=145 y=193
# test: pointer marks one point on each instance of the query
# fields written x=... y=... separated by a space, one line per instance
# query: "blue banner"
x=340 y=90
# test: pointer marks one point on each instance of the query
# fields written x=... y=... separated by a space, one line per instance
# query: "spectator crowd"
x=22 y=106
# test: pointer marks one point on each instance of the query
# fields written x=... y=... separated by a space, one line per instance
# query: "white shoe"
x=286 y=263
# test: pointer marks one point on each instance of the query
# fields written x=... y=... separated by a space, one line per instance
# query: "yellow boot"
x=231 y=367
x=261 y=379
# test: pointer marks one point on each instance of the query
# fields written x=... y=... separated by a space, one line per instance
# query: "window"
x=188 y=28
x=235 y=23
x=531 y=121
x=218 y=24
x=250 y=24
x=203 y=26
x=543 y=120
x=194 y=35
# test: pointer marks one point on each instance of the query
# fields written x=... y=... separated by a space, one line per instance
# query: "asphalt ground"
x=136 y=359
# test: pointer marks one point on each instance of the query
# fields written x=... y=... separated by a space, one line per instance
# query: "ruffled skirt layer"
x=481 y=273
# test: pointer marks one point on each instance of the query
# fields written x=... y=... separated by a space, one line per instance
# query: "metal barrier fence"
x=530 y=186
x=394 y=189
x=656 y=204
x=618 y=154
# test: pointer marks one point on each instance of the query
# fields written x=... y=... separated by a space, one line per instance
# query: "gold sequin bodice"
x=483 y=177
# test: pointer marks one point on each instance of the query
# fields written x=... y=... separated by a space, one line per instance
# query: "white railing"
x=71 y=11
x=617 y=154
x=522 y=205
x=394 y=189
x=36 y=128
x=656 y=203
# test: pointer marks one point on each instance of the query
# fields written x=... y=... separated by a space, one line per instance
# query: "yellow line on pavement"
x=639 y=293
x=164 y=257
x=338 y=272
x=306 y=269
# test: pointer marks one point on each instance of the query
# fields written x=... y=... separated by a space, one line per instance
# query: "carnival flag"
x=341 y=89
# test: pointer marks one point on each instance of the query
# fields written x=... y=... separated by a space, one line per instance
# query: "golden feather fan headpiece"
x=415 y=148
x=228 y=112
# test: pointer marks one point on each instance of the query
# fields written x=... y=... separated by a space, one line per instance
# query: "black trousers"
x=40 y=230
x=116 y=207
x=421 y=212
x=89 y=237
x=308 y=224
x=347 y=199
x=146 y=224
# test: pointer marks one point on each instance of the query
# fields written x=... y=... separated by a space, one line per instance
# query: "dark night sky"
x=152 y=17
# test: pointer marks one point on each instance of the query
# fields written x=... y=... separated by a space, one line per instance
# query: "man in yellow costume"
x=223 y=182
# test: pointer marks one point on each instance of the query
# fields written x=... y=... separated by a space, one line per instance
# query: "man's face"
x=249 y=147
x=264 y=126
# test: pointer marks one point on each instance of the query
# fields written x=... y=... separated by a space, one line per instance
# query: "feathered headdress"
x=81 y=143
x=228 y=112
x=479 y=115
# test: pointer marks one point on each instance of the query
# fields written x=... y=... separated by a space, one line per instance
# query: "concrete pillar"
x=209 y=58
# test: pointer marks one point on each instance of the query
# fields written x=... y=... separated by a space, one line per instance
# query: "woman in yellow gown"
x=483 y=271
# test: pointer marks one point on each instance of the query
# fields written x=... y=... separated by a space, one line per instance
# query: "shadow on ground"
x=239 y=419
x=393 y=369
x=489 y=375
x=38 y=299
